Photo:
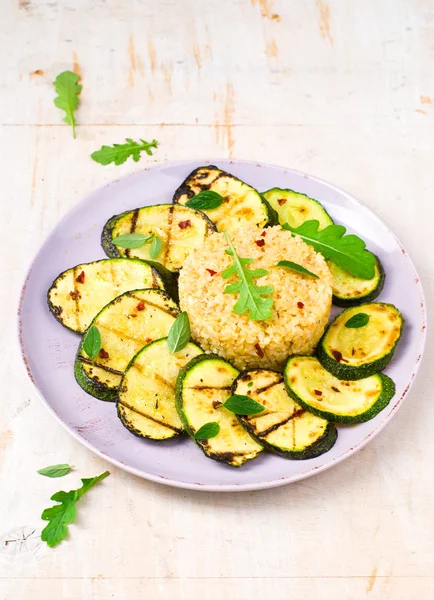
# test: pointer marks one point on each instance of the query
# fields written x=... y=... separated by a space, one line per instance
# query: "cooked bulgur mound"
x=301 y=303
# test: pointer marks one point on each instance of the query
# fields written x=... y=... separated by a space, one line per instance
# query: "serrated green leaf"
x=132 y=240
x=296 y=267
x=207 y=431
x=243 y=405
x=55 y=470
x=156 y=246
x=179 y=333
x=347 y=251
x=251 y=299
x=68 y=89
x=205 y=200
x=357 y=320
x=118 y=153
x=92 y=342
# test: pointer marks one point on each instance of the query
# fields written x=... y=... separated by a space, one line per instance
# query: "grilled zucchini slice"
x=146 y=396
x=295 y=208
x=355 y=353
x=79 y=293
x=181 y=229
x=126 y=324
x=201 y=386
x=352 y=291
x=326 y=396
x=242 y=206
x=284 y=427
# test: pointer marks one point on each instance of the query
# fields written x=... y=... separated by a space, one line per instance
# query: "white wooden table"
x=341 y=89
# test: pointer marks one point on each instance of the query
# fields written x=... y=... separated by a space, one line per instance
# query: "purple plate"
x=49 y=349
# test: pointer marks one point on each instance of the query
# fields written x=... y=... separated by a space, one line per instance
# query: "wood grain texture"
x=340 y=90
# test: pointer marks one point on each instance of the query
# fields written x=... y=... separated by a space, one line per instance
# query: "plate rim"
x=237 y=487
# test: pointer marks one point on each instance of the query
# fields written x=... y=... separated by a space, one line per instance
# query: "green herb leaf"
x=68 y=90
x=347 y=251
x=118 y=153
x=243 y=405
x=358 y=320
x=207 y=431
x=61 y=515
x=92 y=342
x=179 y=334
x=55 y=470
x=206 y=200
x=156 y=246
x=132 y=240
x=250 y=384
x=296 y=267
x=251 y=296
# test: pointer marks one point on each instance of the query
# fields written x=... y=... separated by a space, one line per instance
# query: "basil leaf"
x=296 y=267
x=206 y=200
x=55 y=470
x=179 y=334
x=92 y=342
x=131 y=240
x=358 y=320
x=243 y=405
x=207 y=431
x=156 y=247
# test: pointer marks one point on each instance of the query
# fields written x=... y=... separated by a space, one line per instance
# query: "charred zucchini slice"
x=295 y=208
x=202 y=385
x=79 y=293
x=242 y=206
x=146 y=397
x=284 y=427
x=326 y=396
x=352 y=291
x=126 y=324
x=181 y=229
x=354 y=353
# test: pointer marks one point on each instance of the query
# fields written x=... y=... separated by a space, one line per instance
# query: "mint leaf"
x=132 y=240
x=296 y=267
x=118 y=153
x=206 y=200
x=243 y=405
x=347 y=251
x=55 y=470
x=92 y=342
x=251 y=296
x=156 y=246
x=207 y=431
x=179 y=334
x=68 y=90
x=358 y=320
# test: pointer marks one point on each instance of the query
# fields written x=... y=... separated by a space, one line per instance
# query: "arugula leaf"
x=68 y=90
x=296 y=267
x=92 y=342
x=251 y=296
x=55 y=470
x=357 y=320
x=243 y=405
x=61 y=515
x=156 y=246
x=205 y=200
x=132 y=240
x=179 y=333
x=347 y=251
x=118 y=153
x=207 y=431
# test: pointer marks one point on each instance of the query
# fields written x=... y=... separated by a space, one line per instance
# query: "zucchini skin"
x=92 y=387
x=349 y=372
x=373 y=295
x=387 y=393
x=276 y=189
x=106 y=236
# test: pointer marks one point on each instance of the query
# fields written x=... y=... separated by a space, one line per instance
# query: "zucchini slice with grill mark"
x=126 y=324
x=242 y=206
x=79 y=293
x=295 y=208
x=284 y=427
x=202 y=385
x=357 y=353
x=352 y=291
x=146 y=396
x=180 y=228
x=324 y=395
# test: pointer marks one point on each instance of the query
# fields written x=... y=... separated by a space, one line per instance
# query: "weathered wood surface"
x=343 y=90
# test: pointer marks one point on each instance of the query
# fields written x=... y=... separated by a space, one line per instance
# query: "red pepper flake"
x=141 y=305
x=335 y=389
x=216 y=404
x=281 y=201
x=259 y=351
x=103 y=353
x=318 y=392
x=337 y=355
x=75 y=294
x=148 y=340
x=211 y=272
x=353 y=351
x=263 y=234
x=80 y=278
x=300 y=304
x=260 y=243
x=184 y=224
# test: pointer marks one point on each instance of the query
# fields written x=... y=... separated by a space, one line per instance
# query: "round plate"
x=49 y=349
